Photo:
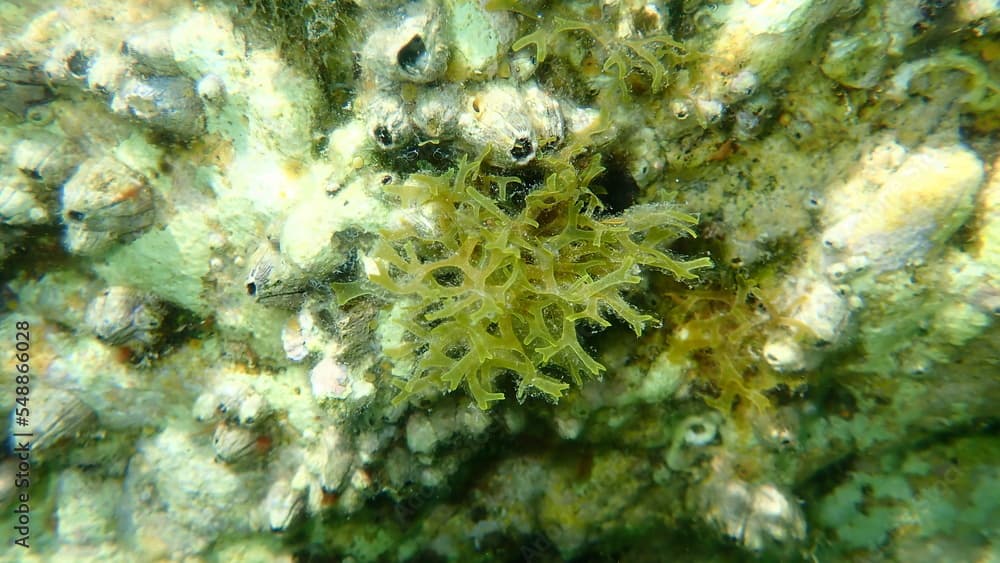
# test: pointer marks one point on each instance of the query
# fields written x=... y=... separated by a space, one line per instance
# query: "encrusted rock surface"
x=506 y=280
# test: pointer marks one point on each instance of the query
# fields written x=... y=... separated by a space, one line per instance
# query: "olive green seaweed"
x=646 y=54
x=495 y=288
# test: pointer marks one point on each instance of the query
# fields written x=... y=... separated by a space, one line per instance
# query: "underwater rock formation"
x=501 y=280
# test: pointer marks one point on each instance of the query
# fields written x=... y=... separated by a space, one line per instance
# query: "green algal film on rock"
x=494 y=290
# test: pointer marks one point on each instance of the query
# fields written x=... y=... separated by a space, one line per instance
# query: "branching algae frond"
x=645 y=55
x=492 y=288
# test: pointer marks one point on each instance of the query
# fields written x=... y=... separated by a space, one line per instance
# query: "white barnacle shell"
x=497 y=118
x=329 y=458
x=436 y=111
x=784 y=353
x=297 y=335
x=206 y=407
x=166 y=103
x=387 y=120
x=329 y=378
x=753 y=515
x=252 y=409
x=105 y=201
x=211 y=88
x=692 y=434
x=523 y=65
x=273 y=281
x=19 y=204
x=900 y=206
x=122 y=316
x=55 y=414
x=700 y=431
x=741 y=84
x=282 y=505
x=47 y=159
x=409 y=46
x=546 y=115
x=709 y=111
x=680 y=108
x=820 y=311
x=228 y=399
x=233 y=442
x=233 y=401
x=774 y=517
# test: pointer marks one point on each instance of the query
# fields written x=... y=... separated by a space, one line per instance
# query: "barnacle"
x=19 y=202
x=46 y=159
x=501 y=289
x=122 y=316
x=167 y=103
x=58 y=416
x=233 y=443
x=387 y=121
x=273 y=281
x=513 y=123
x=410 y=48
x=105 y=202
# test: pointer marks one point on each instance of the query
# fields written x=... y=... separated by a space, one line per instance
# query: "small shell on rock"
x=233 y=401
x=297 y=335
x=746 y=126
x=56 y=414
x=741 y=84
x=206 y=407
x=411 y=50
x=329 y=379
x=777 y=429
x=497 y=118
x=753 y=515
x=19 y=204
x=282 y=505
x=273 y=281
x=167 y=103
x=523 y=65
x=233 y=442
x=252 y=410
x=680 y=108
x=700 y=432
x=436 y=111
x=211 y=88
x=105 y=201
x=330 y=459
x=708 y=111
x=122 y=316
x=546 y=115
x=22 y=84
x=387 y=121
x=46 y=159
x=692 y=435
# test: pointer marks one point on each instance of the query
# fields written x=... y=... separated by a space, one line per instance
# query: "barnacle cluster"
x=282 y=259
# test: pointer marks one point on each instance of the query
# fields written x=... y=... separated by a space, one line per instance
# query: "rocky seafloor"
x=501 y=280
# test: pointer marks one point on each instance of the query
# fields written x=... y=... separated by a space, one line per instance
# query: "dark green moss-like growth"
x=492 y=288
